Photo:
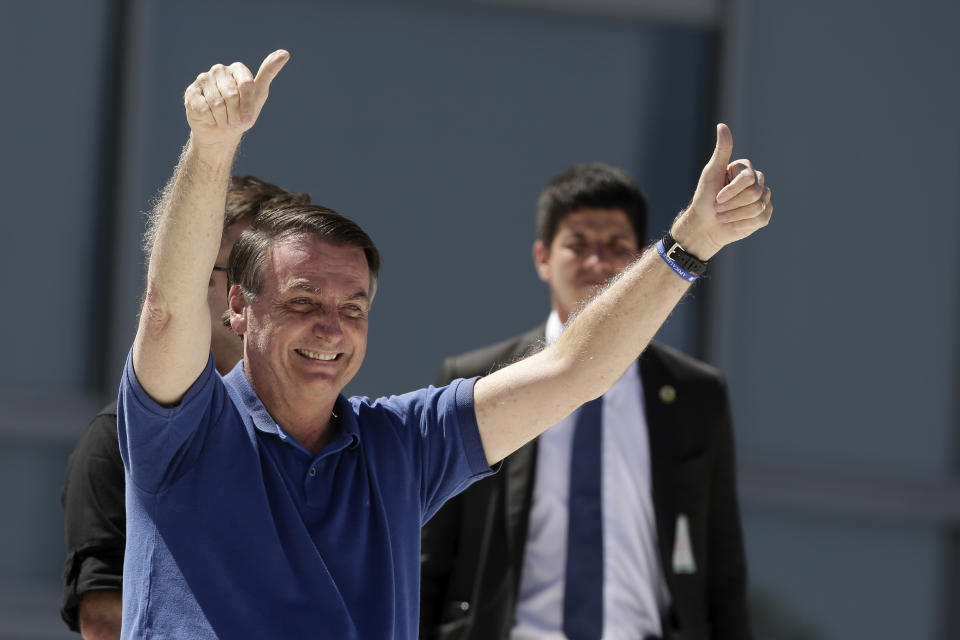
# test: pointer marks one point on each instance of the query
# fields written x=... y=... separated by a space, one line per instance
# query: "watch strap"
x=687 y=261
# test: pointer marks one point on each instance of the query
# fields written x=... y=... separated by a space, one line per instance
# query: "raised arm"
x=173 y=339
x=517 y=403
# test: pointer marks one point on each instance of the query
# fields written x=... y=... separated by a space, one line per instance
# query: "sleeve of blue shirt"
x=434 y=442
x=438 y=427
x=159 y=443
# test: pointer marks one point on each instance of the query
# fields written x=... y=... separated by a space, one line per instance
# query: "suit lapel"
x=659 y=395
x=518 y=474
x=662 y=428
x=518 y=492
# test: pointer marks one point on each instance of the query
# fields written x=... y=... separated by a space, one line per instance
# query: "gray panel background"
x=50 y=116
x=435 y=125
x=846 y=354
x=838 y=330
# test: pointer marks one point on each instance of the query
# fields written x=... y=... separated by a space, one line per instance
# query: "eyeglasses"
x=216 y=268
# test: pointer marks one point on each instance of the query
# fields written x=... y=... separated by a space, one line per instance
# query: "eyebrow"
x=616 y=236
x=303 y=285
x=359 y=295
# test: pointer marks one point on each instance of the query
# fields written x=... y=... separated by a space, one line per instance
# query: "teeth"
x=313 y=355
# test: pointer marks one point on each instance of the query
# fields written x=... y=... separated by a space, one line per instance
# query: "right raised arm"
x=515 y=404
x=173 y=338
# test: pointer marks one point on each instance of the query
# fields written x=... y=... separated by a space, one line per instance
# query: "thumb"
x=714 y=175
x=270 y=68
x=724 y=149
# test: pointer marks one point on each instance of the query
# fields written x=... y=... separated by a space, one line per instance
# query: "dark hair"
x=248 y=196
x=249 y=256
x=590 y=186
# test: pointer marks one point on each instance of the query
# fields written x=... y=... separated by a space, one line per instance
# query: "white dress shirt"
x=634 y=590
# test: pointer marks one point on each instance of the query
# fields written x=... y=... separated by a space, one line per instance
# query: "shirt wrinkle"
x=336 y=535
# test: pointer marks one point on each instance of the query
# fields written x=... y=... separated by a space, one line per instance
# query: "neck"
x=313 y=432
x=307 y=420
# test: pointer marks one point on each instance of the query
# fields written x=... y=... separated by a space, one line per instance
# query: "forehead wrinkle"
x=309 y=265
x=304 y=285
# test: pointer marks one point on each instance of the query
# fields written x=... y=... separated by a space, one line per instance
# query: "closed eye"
x=300 y=304
x=354 y=310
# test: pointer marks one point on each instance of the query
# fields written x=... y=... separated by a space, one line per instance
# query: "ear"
x=541 y=260
x=237 y=306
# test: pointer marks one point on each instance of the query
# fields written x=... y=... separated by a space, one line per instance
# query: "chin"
x=324 y=381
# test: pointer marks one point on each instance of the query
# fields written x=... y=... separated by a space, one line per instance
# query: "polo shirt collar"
x=349 y=433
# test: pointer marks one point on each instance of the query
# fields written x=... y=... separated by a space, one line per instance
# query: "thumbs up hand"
x=224 y=102
x=730 y=203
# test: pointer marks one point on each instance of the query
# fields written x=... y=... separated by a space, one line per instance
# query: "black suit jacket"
x=473 y=547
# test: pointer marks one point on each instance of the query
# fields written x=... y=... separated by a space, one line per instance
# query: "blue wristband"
x=677 y=269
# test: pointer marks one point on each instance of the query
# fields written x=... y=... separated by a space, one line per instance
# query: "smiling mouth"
x=315 y=355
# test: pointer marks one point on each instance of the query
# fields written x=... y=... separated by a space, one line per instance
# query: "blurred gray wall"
x=434 y=125
x=838 y=328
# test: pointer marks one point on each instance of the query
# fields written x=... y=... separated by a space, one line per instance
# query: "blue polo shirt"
x=234 y=530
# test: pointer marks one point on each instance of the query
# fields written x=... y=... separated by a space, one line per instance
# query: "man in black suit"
x=493 y=559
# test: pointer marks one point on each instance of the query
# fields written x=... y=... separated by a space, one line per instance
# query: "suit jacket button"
x=668 y=395
x=456 y=610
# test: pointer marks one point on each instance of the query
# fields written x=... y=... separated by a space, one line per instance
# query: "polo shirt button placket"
x=313 y=471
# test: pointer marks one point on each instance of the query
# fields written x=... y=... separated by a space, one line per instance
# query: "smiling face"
x=590 y=247
x=305 y=332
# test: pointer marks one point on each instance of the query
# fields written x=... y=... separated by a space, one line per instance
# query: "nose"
x=599 y=256
x=326 y=324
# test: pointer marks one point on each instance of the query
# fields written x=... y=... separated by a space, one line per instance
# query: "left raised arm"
x=517 y=403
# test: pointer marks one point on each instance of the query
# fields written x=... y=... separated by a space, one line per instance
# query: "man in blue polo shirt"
x=264 y=504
